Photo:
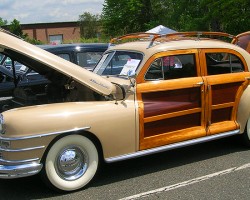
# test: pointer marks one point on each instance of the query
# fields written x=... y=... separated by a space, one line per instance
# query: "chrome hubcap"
x=71 y=163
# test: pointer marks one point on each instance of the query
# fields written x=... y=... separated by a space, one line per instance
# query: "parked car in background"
x=7 y=62
x=20 y=88
x=85 y=55
x=144 y=96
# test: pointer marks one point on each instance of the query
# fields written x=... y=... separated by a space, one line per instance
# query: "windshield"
x=118 y=63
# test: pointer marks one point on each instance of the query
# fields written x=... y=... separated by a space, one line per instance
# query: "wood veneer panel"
x=157 y=103
x=224 y=93
x=172 y=137
x=172 y=124
x=221 y=127
x=221 y=115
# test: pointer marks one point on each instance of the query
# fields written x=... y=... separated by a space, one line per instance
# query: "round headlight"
x=1 y=124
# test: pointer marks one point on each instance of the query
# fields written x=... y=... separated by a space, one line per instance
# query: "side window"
x=155 y=71
x=172 y=67
x=64 y=56
x=88 y=59
x=222 y=63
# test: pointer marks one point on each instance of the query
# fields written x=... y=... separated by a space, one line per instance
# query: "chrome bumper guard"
x=18 y=171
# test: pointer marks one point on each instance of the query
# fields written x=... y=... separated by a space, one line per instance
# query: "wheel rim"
x=72 y=163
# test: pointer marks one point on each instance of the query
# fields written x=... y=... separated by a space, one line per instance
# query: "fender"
x=58 y=118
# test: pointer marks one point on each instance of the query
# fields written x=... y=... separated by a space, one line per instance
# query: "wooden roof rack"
x=235 y=40
x=140 y=35
x=152 y=37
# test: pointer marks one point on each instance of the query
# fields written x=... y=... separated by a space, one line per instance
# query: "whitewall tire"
x=71 y=163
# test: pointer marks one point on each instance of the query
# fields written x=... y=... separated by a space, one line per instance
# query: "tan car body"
x=115 y=125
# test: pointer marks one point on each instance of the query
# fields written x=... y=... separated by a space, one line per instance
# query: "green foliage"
x=126 y=16
x=33 y=41
x=3 y=22
x=95 y=40
x=89 y=25
x=16 y=29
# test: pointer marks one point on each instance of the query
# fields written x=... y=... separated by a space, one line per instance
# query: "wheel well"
x=87 y=134
x=96 y=142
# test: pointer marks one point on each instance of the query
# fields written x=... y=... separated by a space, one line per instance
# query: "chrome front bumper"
x=19 y=160
x=18 y=171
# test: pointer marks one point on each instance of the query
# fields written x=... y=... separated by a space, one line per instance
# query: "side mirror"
x=120 y=93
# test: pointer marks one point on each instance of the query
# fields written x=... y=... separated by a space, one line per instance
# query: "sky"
x=46 y=11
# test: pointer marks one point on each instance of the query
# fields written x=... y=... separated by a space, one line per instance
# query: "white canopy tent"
x=161 y=30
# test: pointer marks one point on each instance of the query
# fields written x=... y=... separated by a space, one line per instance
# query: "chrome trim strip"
x=17 y=171
x=15 y=162
x=171 y=146
x=19 y=150
x=44 y=135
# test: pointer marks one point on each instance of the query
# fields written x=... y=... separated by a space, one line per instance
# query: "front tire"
x=71 y=163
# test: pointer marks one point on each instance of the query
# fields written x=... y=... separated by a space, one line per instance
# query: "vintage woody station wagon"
x=146 y=96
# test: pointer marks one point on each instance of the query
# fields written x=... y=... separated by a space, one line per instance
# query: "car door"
x=225 y=77
x=170 y=92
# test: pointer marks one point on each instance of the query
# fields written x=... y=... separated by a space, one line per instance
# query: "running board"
x=171 y=146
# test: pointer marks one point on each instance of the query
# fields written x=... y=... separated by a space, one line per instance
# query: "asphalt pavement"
x=214 y=170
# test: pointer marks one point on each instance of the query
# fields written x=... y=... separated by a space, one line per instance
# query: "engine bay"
x=56 y=89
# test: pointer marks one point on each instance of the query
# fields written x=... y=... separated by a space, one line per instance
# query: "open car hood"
x=49 y=60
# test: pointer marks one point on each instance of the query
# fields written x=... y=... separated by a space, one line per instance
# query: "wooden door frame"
x=173 y=84
x=220 y=79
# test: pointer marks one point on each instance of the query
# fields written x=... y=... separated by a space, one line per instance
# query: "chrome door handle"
x=199 y=84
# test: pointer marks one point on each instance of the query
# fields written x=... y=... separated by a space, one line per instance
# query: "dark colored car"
x=85 y=55
x=21 y=88
x=28 y=81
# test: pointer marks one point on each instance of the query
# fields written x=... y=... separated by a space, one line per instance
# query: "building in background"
x=53 y=33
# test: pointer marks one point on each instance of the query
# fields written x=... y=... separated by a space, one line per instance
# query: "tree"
x=232 y=16
x=236 y=15
x=16 y=29
x=89 y=25
x=126 y=16
x=3 y=22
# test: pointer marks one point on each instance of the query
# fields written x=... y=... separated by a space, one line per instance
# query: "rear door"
x=170 y=92
x=225 y=78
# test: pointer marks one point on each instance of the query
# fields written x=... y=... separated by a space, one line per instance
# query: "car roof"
x=77 y=47
x=149 y=48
